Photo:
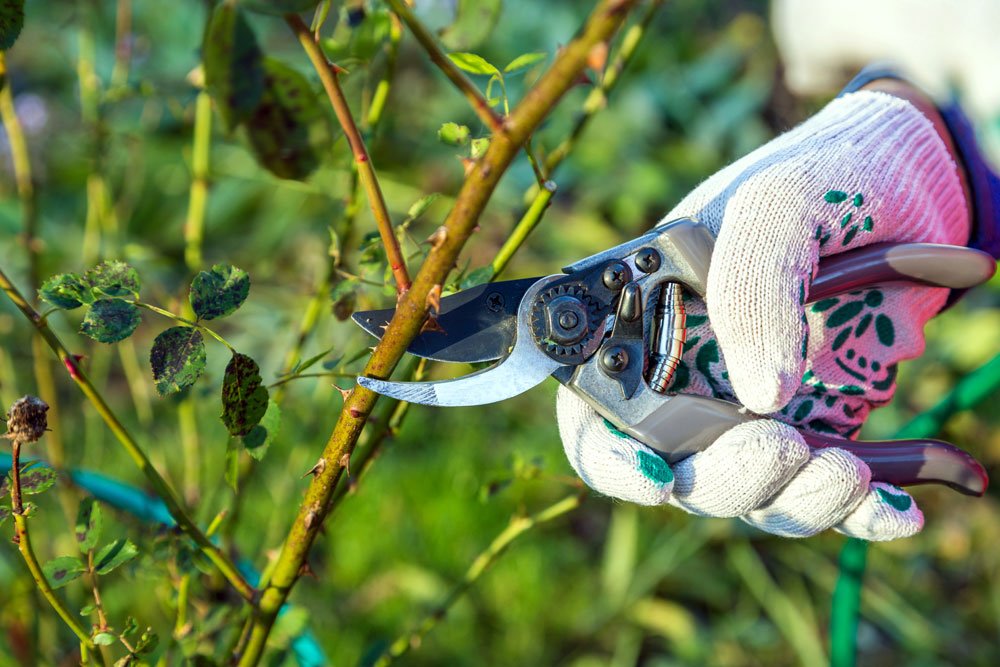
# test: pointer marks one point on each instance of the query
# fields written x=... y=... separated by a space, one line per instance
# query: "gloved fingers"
x=741 y=470
x=886 y=513
x=821 y=495
x=608 y=460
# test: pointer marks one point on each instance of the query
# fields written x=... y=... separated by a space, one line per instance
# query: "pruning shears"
x=611 y=328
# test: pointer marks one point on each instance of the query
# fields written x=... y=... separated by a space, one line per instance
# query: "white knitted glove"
x=868 y=168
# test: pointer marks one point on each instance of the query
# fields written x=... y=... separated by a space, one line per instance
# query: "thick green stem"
x=437 y=55
x=132 y=448
x=328 y=74
x=517 y=527
x=194 y=226
x=411 y=310
x=528 y=222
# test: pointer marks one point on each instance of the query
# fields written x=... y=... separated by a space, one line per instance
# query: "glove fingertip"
x=886 y=513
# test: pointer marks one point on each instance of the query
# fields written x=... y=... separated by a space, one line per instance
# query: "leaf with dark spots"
x=89 y=522
x=110 y=320
x=114 y=555
x=38 y=479
x=11 y=22
x=844 y=313
x=219 y=292
x=113 y=278
x=177 y=359
x=244 y=399
x=289 y=130
x=60 y=571
x=233 y=63
x=65 y=290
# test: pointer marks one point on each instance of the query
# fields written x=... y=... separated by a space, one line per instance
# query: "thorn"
x=431 y=324
x=316 y=469
x=345 y=463
x=306 y=571
x=468 y=164
x=438 y=237
x=344 y=393
x=311 y=519
x=433 y=300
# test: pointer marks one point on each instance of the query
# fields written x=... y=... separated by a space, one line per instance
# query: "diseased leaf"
x=280 y=7
x=113 y=278
x=65 y=290
x=37 y=480
x=114 y=555
x=219 y=292
x=474 y=21
x=89 y=522
x=244 y=399
x=11 y=22
x=60 y=571
x=110 y=320
x=289 y=130
x=260 y=437
x=233 y=63
x=472 y=63
x=454 y=134
x=523 y=61
x=177 y=359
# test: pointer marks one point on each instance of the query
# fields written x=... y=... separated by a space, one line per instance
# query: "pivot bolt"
x=568 y=320
x=647 y=260
x=614 y=359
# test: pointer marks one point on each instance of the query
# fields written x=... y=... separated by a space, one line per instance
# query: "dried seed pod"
x=26 y=421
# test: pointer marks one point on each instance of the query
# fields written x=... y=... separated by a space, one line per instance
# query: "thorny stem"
x=518 y=526
x=411 y=309
x=23 y=541
x=328 y=74
x=132 y=448
x=437 y=55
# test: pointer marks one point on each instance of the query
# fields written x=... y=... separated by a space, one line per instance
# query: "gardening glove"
x=868 y=168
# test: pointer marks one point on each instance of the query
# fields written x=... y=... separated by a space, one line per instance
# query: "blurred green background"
x=607 y=584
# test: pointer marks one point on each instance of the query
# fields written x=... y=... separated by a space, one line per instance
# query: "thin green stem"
x=411 y=310
x=183 y=320
x=132 y=448
x=518 y=526
x=437 y=55
x=328 y=74
x=23 y=540
x=530 y=220
x=194 y=225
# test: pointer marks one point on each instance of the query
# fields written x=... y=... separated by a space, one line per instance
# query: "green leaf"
x=454 y=134
x=11 y=22
x=37 y=479
x=114 y=555
x=474 y=21
x=88 y=610
x=260 y=437
x=289 y=131
x=478 y=277
x=113 y=278
x=479 y=147
x=89 y=522
x=60 y=571
x=233 y=63
x=65 y=290
x=524 y=61
x=421 y=205
x=280 y=7
x=104 y=639
x=473 y=64
x=244 y=399
x=130 y=627
x=110 y=320
x=177 y=359
x=219 y=292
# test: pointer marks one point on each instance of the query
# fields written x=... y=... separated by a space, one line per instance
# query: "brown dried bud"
x=26 y=421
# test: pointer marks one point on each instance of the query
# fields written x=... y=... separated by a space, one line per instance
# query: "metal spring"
x=671 y=332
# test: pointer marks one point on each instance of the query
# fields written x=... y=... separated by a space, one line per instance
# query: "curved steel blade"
x=525 y=367
x=479 y=323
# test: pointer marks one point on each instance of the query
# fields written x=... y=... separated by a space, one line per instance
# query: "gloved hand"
x=868 y=168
